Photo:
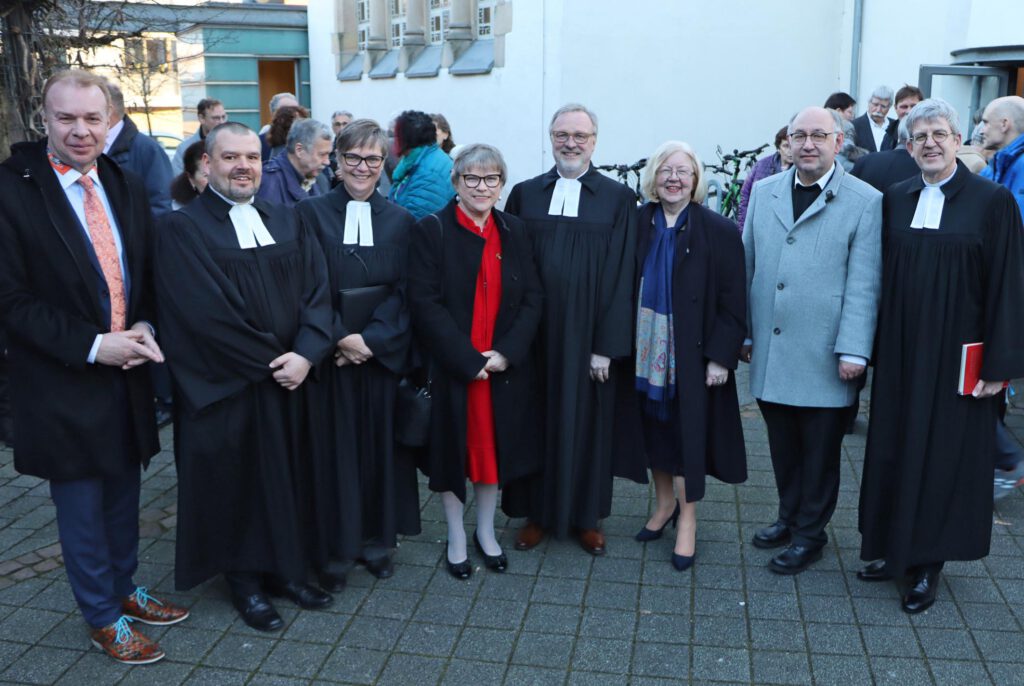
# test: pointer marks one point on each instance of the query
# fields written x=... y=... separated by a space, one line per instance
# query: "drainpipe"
x=858 y=27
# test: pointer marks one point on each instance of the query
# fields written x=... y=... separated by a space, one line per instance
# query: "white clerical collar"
x=358 y=224
x=112 y=133
x=565 y=200
x=821 y=181
x=928 y=214
x=249 y=227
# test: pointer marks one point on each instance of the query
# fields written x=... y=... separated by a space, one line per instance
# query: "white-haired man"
x=872 y=127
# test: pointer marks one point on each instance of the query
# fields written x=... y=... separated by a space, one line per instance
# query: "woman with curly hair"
x=277 y=136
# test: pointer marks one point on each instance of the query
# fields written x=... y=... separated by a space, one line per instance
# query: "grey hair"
x=481 y=156
x=342 y=113
x=572 y=107
x=882 y=93
x=930 y=110
x=837 y=121
x=306 y=132
x=229 y=126
x=277 y=97
x=116 y=98
x=902 y=132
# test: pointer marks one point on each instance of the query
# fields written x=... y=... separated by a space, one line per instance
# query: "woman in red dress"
x=476 y=301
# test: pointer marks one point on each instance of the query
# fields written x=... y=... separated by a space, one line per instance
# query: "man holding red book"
x=952 y=274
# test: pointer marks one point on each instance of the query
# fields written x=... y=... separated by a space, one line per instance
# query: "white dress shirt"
x=878 y=131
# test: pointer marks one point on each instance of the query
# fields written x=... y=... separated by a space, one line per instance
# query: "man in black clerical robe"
x=582 y=225
x=244 y=316
x=953 y=273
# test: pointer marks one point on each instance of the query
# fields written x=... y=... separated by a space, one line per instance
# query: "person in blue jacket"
x=1003 y=131
x=139 y=154
x=421 y=183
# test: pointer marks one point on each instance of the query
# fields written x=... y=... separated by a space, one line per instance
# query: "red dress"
x=481 y=450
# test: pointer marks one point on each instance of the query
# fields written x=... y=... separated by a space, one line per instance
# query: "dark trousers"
x=805 y=443
x=1008 y=451
x=98 y=522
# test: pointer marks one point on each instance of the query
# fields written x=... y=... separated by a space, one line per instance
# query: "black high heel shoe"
x=645 y=535
x=682 y=562
x=460 y=570
x=495 y=563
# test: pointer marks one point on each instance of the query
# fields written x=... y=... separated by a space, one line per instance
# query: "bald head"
x=816 y=137
x=1003 y=121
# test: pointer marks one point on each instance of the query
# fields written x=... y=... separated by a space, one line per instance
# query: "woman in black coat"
x=476 y=303
x=367 y=491
x=678 y=399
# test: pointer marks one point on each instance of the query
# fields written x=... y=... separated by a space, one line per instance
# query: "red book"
x=970 y=368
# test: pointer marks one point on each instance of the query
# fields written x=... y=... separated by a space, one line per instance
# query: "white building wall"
x=723 y=73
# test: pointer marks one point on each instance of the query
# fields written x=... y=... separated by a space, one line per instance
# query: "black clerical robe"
x=926 y=492
x=367 y=487
x=244 y=446
x=586 y=270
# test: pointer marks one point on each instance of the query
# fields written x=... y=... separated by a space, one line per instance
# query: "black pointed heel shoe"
x=645 y=535
x=682 y=562
x=495 y=563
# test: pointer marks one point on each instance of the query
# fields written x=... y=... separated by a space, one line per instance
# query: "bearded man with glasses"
x=582 y=226
x=953 y=274
x=813 y=263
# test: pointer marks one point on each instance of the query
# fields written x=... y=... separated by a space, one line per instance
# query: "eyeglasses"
x=817 y=137
x=939 y=137
x=473 y=181
x=681 y=172
x=353 y=160
x=564 y=136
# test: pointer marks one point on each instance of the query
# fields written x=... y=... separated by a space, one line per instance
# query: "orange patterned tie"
x=102 y=236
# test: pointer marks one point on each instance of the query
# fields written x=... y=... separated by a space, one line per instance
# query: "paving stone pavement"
x=558 y=616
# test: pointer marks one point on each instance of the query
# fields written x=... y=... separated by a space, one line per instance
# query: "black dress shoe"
x=306 y=596
x=874 y=571
x=772 y=536
x=163 y=417
x=257 y=612
x=381 y=567
x=921 y=594
x=332 y=582
x=495 y=563
x=794 y=559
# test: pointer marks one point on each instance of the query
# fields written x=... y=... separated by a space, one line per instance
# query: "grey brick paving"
x=558 y=616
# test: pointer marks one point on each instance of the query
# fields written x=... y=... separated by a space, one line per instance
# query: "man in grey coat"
x=813 y=252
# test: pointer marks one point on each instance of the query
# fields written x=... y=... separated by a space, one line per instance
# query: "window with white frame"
x=363 y=22
x=485 y=18
x=397 y=11
x=440 y=13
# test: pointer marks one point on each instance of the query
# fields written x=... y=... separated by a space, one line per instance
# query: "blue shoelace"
x=124 y=632
x=143 y=597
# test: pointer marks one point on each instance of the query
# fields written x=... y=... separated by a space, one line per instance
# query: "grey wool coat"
x=812 y=287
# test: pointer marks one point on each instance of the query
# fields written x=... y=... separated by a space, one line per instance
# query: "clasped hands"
x=496 y=363
x=129 y=348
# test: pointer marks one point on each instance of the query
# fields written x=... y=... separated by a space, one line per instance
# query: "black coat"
x=886 y=168
x=69 y=414
x=865 y=139
x=709 y=316
x=443 y=268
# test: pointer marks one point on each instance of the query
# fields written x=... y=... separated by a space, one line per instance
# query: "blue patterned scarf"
x=655 y=338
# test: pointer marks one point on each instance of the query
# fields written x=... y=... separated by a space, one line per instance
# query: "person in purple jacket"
x=780 y=160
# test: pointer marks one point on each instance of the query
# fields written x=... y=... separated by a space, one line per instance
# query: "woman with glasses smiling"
x=476 y=303
x=678 y=404
x=367 y=492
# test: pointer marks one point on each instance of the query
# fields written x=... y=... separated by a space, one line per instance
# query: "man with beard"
x=953 y=274
x=582 y=226
x=244 y=316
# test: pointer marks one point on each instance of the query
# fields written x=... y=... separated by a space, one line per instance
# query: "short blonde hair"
x=81 y=78
x=648 y=177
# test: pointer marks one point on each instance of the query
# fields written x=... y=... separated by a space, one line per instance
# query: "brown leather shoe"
x=592 y=541
x=124 y=645
x=529 y=536
x=144 y=608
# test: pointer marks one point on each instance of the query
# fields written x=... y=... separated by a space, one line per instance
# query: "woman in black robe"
x=367 y=490
x=476 y=303
x=677 y=403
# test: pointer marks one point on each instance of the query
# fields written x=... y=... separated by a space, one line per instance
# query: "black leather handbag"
x=412 y=414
